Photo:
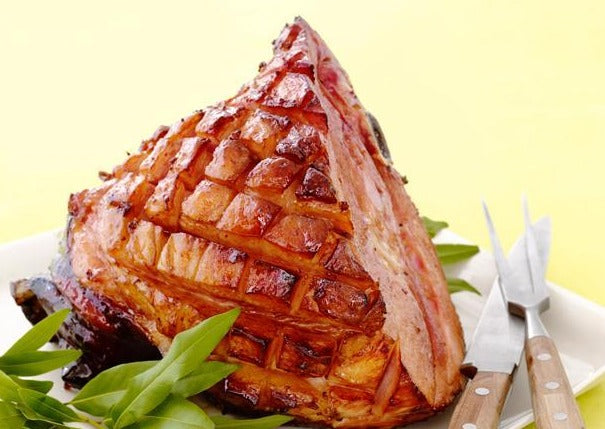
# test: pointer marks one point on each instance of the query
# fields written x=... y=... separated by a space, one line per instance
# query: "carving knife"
x=496 y=349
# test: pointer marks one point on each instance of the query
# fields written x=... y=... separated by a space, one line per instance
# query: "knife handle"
x=481 y=402
x=551 y=395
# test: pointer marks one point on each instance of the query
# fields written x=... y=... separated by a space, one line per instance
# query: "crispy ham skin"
x=282 y=201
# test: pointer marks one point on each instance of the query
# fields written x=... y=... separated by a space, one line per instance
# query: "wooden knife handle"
x=481 y=402
x=551 y=395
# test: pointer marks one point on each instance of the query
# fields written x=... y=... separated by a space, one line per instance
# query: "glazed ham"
x=281 y=201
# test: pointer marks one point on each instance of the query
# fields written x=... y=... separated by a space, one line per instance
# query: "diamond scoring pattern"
x=230 y=172
x=216 y=178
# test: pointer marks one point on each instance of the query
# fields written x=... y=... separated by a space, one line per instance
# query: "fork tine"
x=536 y=269
x=542 y=229
x=501 y=261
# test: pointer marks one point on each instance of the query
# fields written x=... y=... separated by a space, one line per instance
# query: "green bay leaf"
x=204 y=377
x=38 y=406
x=38 y=424
x=175 y=412
x=107 y=388
x=189 y=348
x=433 y=226
x=269 y=422
x=8 y=388
x=460 y=285
x=39 y=334
x=10 y=416
x=451 y=253
x=42 y=386
x=36 y=362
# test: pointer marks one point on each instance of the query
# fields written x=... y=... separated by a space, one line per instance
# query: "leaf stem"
x=92 y=422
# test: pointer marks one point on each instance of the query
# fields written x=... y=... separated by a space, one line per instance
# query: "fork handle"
x=552 y=398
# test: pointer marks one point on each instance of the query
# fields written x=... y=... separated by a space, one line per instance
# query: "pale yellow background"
x=476 y=98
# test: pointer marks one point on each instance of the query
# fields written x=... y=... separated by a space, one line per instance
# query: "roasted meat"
x=282 y=201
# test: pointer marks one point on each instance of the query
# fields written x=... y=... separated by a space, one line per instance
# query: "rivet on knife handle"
x=481 y=402
x=552 y=398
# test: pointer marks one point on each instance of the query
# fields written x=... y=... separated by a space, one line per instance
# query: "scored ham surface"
x=282 y=201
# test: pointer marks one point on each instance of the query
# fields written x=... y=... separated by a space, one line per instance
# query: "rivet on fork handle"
x=553 y=400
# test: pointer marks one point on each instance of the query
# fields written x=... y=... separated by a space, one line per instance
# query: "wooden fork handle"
x=551 y=395
x=481 y=402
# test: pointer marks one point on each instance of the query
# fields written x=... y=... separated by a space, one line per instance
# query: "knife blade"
x=496 y=348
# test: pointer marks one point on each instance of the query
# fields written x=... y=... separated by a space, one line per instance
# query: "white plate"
x=573 y=321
